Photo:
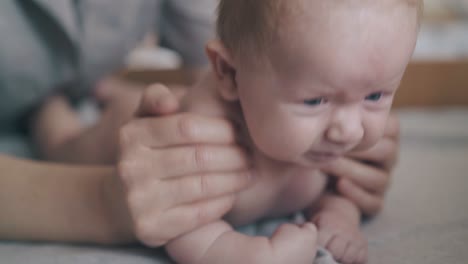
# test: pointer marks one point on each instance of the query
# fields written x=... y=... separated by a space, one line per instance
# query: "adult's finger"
x=181 y=161
x=371 y=178
x=179 y=129
x=368 y=203
x=384 y=154
x=157 y=100
x=392 y=129
x=142 y=166
x=203 y=187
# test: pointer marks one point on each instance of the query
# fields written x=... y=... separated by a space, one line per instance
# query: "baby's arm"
x=217 y=242
x=338 y=221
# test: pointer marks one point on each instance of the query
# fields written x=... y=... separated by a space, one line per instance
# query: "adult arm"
x=175 y=172
x=51 y=202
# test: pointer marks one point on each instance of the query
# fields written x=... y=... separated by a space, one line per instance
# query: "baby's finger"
x=337 y=247
x=324 y=237
x=370 y=204
x=293 y=240
x=351 y=254
x=362 y=256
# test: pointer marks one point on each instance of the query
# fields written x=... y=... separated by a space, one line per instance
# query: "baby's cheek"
x=278 y=142
x=373 y=133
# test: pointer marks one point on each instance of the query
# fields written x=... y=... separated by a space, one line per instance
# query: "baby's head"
x=315 y=78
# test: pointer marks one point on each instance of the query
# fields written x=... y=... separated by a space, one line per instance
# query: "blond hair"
x=247 y=27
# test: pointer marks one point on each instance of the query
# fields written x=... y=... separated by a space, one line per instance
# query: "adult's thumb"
x=157 y=100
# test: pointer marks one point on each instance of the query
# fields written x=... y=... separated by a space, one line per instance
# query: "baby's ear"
x=223 y=69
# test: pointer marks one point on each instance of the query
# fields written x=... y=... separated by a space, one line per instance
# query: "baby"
x=306 y=81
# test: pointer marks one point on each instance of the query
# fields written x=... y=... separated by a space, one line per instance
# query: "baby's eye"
x=374 y=97
x=315 y=101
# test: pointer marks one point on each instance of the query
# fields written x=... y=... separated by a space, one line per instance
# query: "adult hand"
x=61 y=135
x=119 y=100
x=179 y=171
x=364 y=177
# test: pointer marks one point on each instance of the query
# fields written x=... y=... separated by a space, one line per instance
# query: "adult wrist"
x=116 y=210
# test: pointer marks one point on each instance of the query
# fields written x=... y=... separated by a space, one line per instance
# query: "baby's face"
x=330 y=85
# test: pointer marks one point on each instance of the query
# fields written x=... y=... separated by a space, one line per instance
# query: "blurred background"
x=444 y=34
x=437 y=76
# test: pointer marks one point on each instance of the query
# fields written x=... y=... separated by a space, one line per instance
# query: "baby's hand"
x=294 y=244
x=342 y=237
x=289 y=244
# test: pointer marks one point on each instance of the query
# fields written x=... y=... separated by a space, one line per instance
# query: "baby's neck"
x=204 y=98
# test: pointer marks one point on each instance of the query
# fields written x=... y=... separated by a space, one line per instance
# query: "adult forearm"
x=60 y=135
x=49 y=202
x=89 y=147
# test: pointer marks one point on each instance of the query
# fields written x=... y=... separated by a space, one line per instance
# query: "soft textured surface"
x=426 y=216
x=425 y=219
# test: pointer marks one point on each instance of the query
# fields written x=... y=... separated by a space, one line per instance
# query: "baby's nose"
x=345 y=128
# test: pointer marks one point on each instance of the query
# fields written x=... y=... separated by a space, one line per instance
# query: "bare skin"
x=328 y=205
x=364 y=176
x=368 y=180
x=279 y=189
x=295 y=122
x=130 y=201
